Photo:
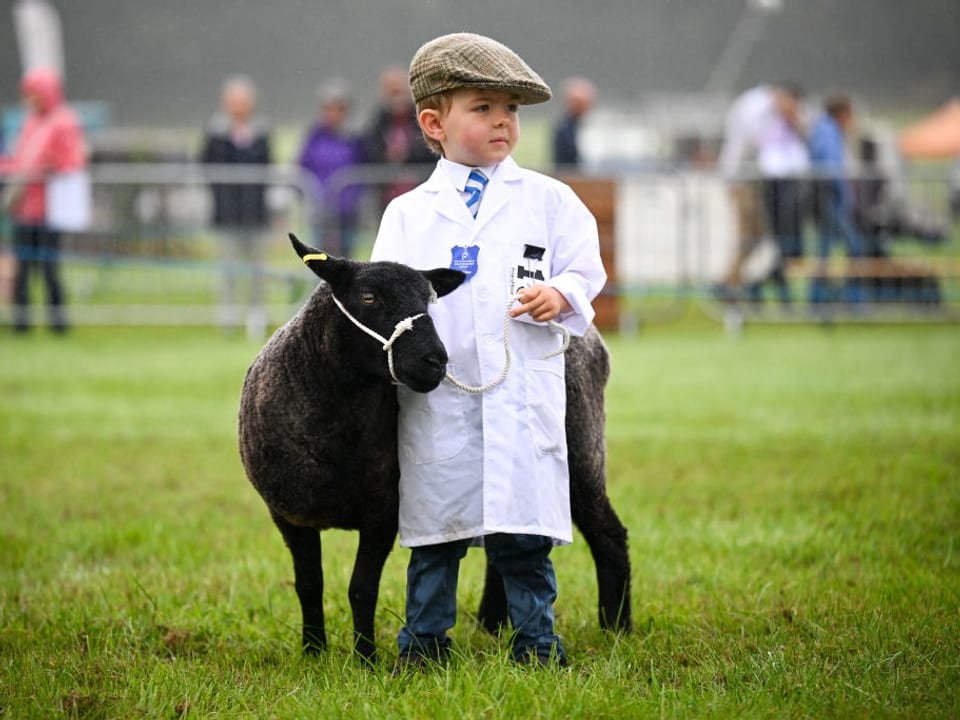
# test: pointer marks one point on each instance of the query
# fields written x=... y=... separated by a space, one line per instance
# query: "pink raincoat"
x=51 y=141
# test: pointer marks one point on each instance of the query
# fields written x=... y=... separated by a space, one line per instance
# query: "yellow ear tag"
x=314 y=256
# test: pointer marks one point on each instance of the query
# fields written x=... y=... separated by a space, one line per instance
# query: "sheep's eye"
x=368 y=298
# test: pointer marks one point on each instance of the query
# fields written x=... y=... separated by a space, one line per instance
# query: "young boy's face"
x=481 y=127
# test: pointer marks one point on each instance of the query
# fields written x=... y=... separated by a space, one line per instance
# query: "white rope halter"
x=399 y=329
x=407 y=324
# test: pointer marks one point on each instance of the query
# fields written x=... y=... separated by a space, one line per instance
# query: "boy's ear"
x=327 y=267
x=431 y=124
x=444 y=280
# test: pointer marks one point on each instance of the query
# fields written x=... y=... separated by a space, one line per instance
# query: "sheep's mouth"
x=426 y=378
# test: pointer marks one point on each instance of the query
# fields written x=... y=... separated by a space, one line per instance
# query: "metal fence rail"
x=677 y=239
x=152 y=256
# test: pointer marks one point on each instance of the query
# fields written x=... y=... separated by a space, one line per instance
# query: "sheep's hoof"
x=313 y=644
x=366 y=651
x=621 y=622
x=368 y=662
x=492 y=613
x=493 y=624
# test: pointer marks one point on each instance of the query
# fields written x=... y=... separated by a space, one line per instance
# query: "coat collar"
x=449 y=203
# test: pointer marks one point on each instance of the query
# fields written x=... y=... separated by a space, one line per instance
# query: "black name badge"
x=532 y=252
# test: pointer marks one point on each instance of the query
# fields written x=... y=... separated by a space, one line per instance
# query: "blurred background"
x=658 y=85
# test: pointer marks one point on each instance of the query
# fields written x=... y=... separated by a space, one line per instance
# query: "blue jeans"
x=528 y=578
x=835 y=225
x=37 y=249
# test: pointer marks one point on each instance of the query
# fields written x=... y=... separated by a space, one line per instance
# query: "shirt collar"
x=458 y=173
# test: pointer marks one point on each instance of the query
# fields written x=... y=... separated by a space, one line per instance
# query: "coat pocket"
x=432 y=425
x=546 y=406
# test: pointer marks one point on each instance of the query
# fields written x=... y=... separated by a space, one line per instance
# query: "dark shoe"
x=425 y=654
x=543 y=659
x=417 y=662
x=409 y=663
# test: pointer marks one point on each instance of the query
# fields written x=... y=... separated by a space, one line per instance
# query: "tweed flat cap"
x=466 y=60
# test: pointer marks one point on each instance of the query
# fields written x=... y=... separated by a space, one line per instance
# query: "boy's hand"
x=542 y=302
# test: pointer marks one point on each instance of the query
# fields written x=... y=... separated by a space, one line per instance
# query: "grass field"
x=793 y=500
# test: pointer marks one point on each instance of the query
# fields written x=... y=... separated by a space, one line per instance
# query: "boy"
x=491 y=464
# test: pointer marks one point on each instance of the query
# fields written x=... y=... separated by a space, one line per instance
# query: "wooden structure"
x=600 y=197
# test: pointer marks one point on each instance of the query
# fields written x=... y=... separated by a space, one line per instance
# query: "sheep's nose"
x=437 y=361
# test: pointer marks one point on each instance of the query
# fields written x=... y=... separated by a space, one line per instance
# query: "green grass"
x=793 y=500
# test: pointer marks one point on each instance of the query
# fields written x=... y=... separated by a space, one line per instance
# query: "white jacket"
x=474 y=464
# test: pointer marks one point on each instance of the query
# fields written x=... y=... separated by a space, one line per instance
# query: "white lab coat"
x=474 y=464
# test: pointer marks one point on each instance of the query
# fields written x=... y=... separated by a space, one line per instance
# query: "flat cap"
x=466 y=60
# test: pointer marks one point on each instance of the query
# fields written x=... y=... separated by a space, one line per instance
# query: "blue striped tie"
x=474 y=189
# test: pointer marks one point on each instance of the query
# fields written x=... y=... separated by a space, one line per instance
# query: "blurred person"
x=833 y=195
x=579 y=96
x=236 y=136
x=871 y=213
x=394 y=137
x=748 y=121
x=782 y=161
x=328 y=149
x=880 y=220
x=51 y=141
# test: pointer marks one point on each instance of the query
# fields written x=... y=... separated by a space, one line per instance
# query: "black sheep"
x=318 y=434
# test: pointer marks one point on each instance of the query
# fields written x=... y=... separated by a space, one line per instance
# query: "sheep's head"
x=380 y=295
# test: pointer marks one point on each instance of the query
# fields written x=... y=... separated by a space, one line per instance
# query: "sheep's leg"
x=372 y=552
x=493 y=613
x=304 y=545
x=607 y=539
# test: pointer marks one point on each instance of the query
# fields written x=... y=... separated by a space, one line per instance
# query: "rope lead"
x=407 y=324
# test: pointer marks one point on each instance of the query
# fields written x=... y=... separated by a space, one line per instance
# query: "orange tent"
x=935 y=136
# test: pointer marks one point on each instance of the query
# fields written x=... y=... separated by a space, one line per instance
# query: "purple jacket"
x=324 y=154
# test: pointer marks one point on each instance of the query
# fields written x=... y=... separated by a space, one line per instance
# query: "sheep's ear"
x=325 y=266
x=307 y=254
x=444 y=280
